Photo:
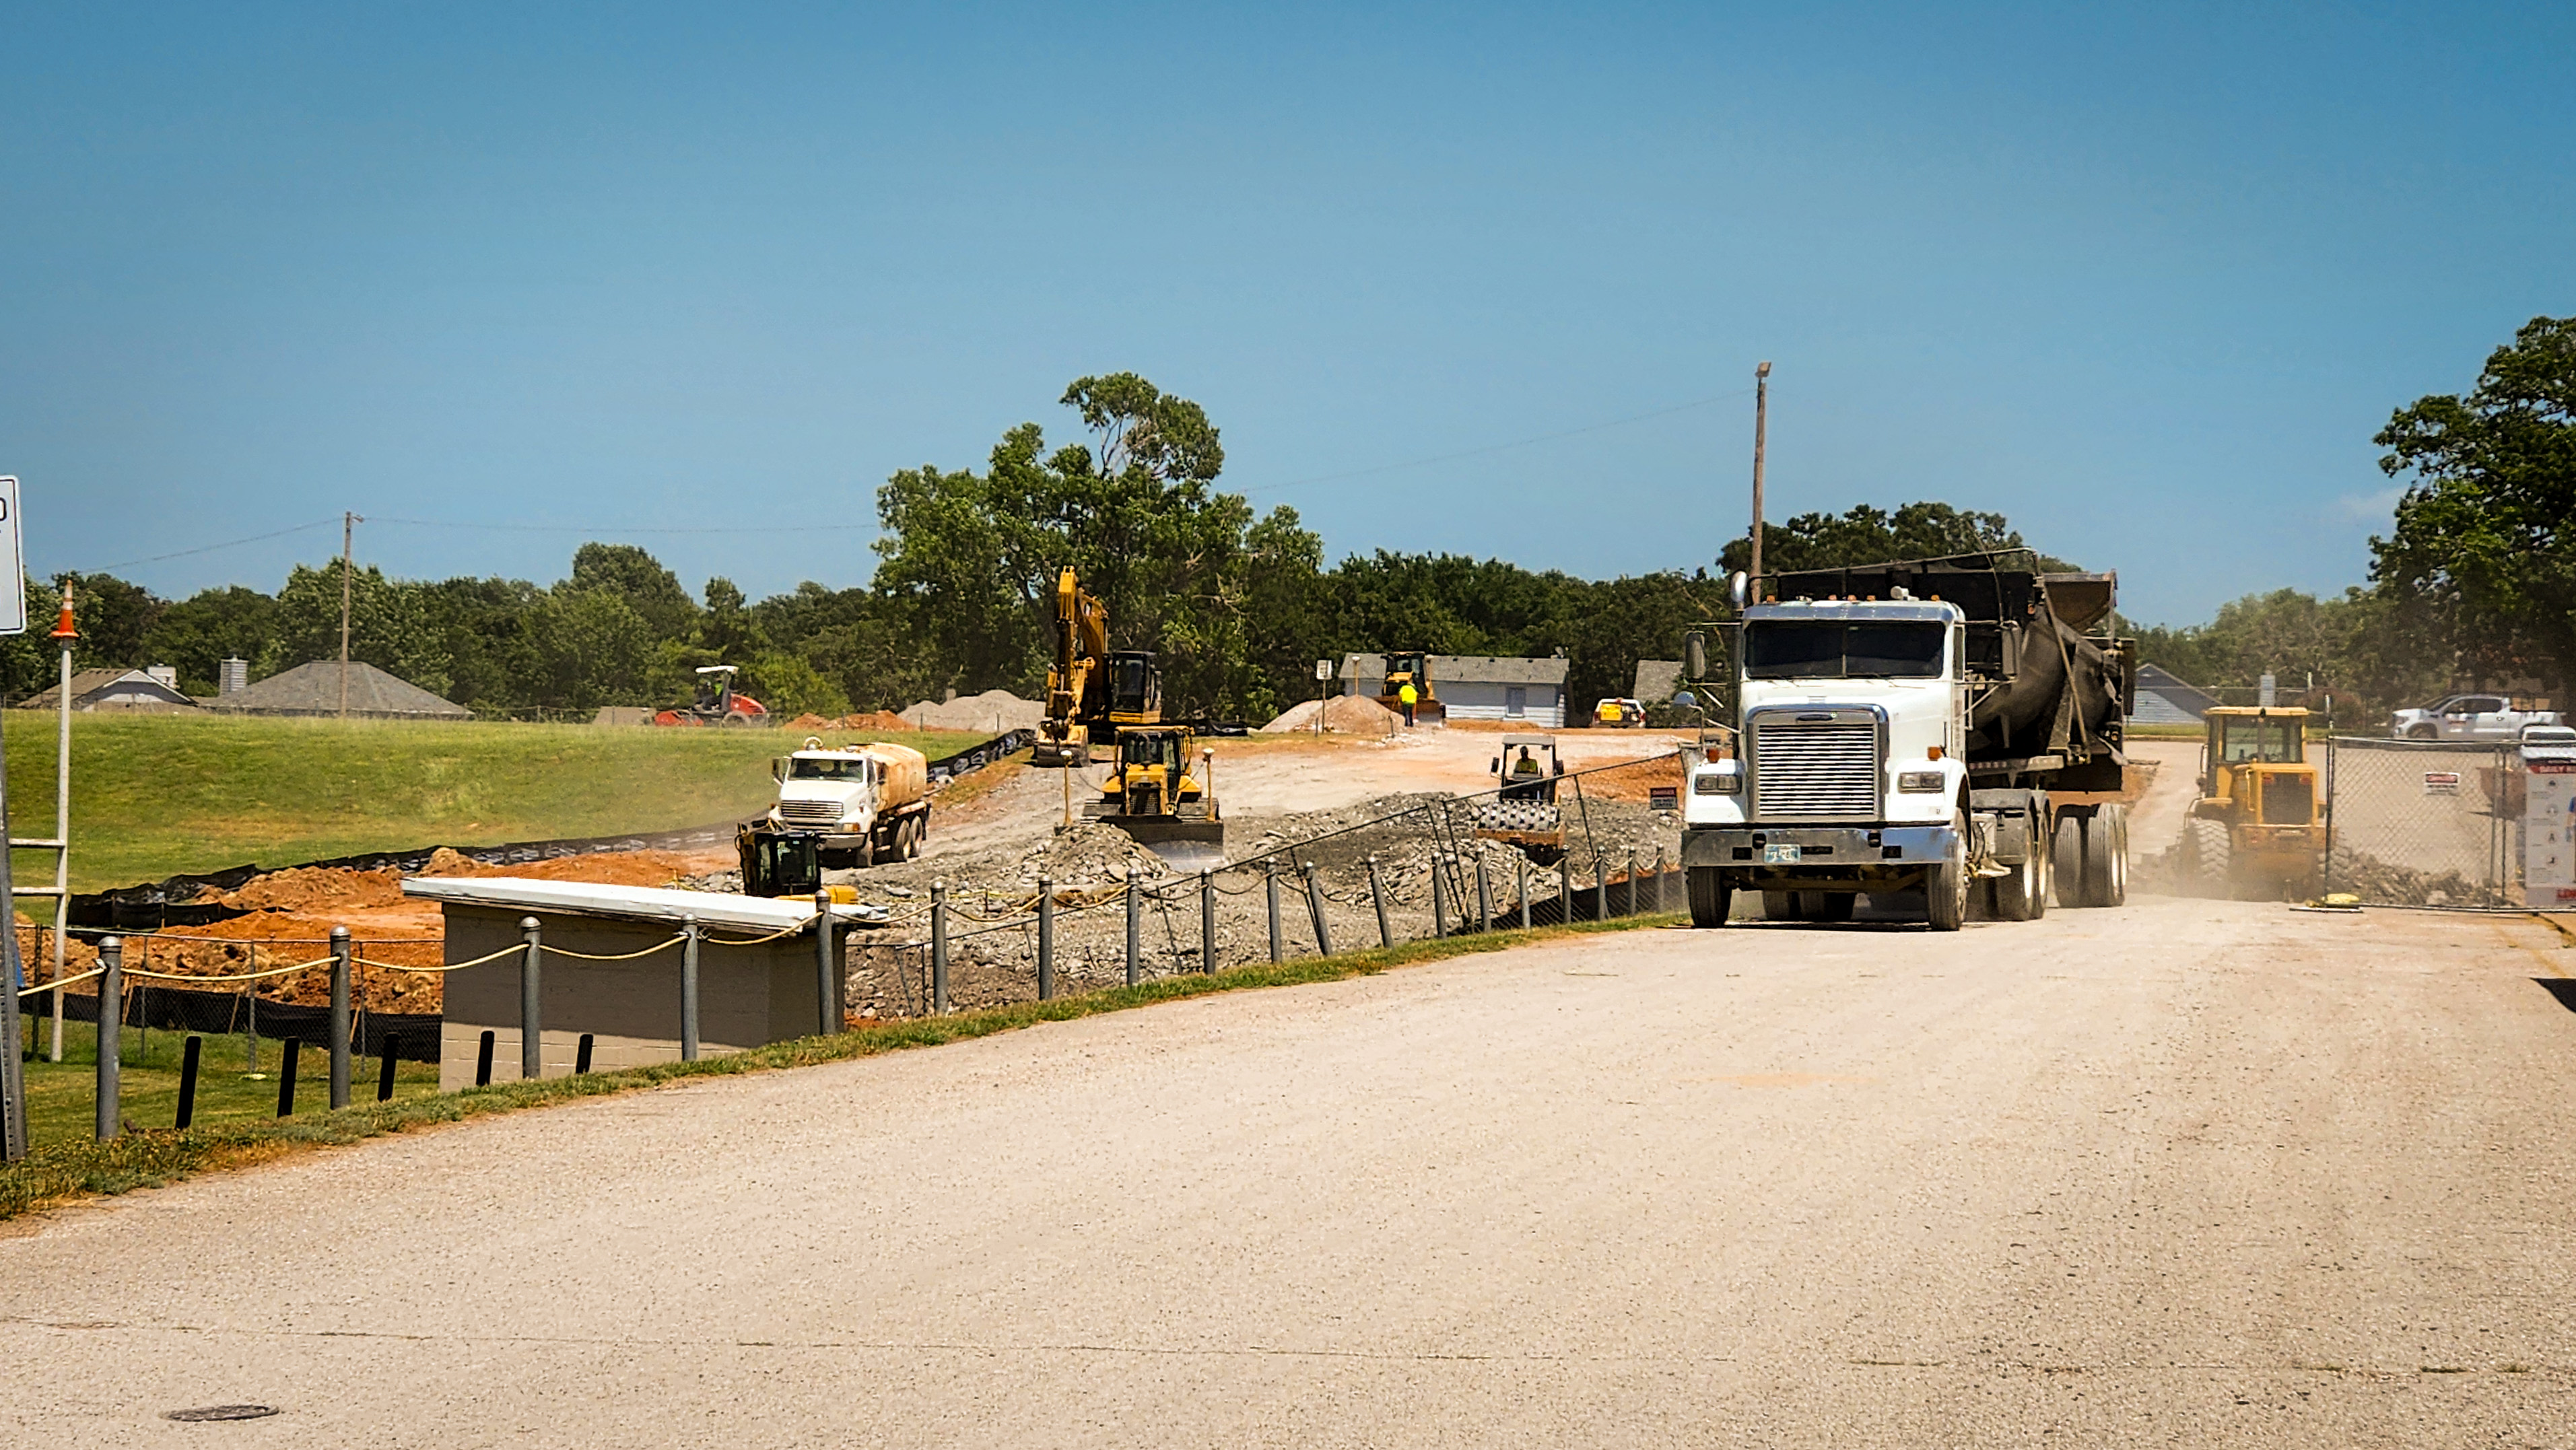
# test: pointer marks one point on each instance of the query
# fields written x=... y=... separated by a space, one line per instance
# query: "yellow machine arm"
x=1081 y=640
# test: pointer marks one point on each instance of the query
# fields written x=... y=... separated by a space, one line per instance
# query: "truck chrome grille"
x=810 y=813
x=1815 y=769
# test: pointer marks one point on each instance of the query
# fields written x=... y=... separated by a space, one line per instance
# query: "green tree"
x=632 y=574
x=114 y=617
x=2484 y=547
x=1867 y=535
x=390 y=626
x=198 y=633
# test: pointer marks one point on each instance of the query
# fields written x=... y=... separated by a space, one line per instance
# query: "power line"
x=620 y=528
x=1497 y=447
x=210 y=548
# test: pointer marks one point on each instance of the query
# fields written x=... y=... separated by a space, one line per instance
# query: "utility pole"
x=348 y=534
x=1761 y=406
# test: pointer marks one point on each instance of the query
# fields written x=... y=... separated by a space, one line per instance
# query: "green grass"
x=156 y=795
x=70 y=1167
x=62 y=1096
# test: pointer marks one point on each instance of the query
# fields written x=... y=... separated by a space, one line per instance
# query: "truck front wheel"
x=1710 y=896
x=1945 y=888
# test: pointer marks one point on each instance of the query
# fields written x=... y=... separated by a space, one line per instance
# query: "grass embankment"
x=62 y=1097
x=72 y=1167
x=156 y=795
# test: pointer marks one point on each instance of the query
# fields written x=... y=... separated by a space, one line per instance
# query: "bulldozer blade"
x=1183 y=845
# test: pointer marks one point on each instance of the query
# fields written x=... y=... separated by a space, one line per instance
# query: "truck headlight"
x=1919 y=782
x=1717 y=782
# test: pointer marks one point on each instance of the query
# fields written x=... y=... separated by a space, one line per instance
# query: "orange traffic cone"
x=67 y=631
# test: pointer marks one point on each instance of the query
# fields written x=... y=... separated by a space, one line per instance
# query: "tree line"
x=2476 y=581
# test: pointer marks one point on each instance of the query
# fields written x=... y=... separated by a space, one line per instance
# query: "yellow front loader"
x=1164 y=797
x=2257 y=828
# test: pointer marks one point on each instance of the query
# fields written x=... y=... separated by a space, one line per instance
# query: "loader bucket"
x=1183 y=845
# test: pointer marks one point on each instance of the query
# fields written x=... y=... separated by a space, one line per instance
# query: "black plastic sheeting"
x=415 y=1035
x=157 y=904
x=1590 y=903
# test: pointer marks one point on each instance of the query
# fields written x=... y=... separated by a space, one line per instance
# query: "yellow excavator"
x=1092 y=690
x=2256 y=828
x=1164 y=796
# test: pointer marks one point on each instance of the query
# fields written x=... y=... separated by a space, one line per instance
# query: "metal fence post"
x=1270 y=885
x=939 y=948
x=339 y=1016
x=111 y=1017
x=1632 y=882
x=1484 y=896
x=827 y=978
x=1521 y=868
x=689 y=987
x=532 y=1063
x=1439 y=896
x=1659 y=881
x=188 y=1056
x=1207 y=922
x=1600 y=888
x=1315 y=908
x=1377 y=895
x=1135 y=931
x=1046 y=939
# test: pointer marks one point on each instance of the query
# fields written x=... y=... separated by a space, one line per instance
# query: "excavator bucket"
x=1183 y=845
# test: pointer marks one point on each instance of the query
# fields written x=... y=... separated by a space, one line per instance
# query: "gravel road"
x=2187 y=1172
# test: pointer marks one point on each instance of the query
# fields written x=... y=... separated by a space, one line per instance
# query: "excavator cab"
x=1135 y=688
x=2257 y=825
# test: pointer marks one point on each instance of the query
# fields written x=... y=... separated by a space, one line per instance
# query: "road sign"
x=1323 y=669
x=13 y=562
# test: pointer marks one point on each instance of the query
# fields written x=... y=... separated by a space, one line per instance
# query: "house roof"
x=314 y=689
x=1656 y=680
x=1467 y=669
x=89 y=683
x=2166 y=700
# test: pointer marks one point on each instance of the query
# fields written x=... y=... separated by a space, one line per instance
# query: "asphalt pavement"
x=2185 y=1172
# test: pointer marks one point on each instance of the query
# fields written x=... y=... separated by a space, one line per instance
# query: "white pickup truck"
x=2468 y=717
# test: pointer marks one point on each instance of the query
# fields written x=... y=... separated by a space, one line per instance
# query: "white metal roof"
x=632 y=903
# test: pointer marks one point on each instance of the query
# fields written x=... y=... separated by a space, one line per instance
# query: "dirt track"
x=2206 y=1173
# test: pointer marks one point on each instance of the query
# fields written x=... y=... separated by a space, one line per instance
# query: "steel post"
x=689 y=988
x=827 y=979
x=1135 y=932
x=939 y=948
x=1632 y=881
x=1521 y=866
x=340 y=970
x=1315 y=909
x=1377 y=898
x=1270 y=884
x=532 y=1027
x=111 y=1015
x=1046 y=938
x=1659 y=880
x=1484 y=896
x=1207 y=922
x=1439 y=895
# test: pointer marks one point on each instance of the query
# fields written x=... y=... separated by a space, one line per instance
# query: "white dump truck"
x=1949 y=727
x=850 y=805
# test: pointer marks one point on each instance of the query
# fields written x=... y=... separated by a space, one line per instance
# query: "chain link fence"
x=2426 y=823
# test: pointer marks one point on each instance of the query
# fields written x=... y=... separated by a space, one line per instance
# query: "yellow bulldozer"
x=1411 y=669
x=1164 y=796
x=1092 y=690
x=2256 y=829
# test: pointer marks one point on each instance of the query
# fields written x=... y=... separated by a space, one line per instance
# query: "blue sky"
x=2144 y=280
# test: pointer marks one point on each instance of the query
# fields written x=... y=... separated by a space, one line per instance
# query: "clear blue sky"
x=2146 y=282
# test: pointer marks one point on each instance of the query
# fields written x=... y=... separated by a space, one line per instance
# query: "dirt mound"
x=993 y=710
x=304 y=888
x=1343 y=715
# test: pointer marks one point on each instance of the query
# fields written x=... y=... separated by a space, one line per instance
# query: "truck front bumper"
x=1859 y=857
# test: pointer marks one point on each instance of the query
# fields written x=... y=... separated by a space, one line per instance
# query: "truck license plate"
x=1775 y=855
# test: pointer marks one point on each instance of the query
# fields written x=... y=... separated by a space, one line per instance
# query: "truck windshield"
x=1833 y=649
x=806 y=769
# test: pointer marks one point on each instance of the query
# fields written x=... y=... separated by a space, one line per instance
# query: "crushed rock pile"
x=994 y=710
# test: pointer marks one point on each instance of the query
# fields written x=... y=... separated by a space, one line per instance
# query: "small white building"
x=1478 y=687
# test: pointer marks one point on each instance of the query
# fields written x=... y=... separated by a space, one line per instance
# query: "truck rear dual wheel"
x=2023 y=895
x=2092 y=858
x=1710 y=896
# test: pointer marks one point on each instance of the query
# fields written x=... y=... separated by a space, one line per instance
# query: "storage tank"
x=906 y=774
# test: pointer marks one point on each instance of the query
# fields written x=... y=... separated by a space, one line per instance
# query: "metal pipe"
x=1046 y=938
x=1484 y=896
x=1632 y=881
x=1521 y=865
x=939 y=948
x=1207 y=922
x=827 y=983
x=1270 y=883
x=1659 y=880
x=1135 y=931
x=1439 y=896
x=1377 y=896
x=532 y=1027
x=689 y=987
x=111 y=1018
x=1315 y=909
x=339 y=1017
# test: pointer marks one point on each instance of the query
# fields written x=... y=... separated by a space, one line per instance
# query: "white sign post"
x=13 y=1083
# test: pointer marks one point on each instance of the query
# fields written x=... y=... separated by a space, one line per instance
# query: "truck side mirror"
x=1737 y=588
x=1695 y=654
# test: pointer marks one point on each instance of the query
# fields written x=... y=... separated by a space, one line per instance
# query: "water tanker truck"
x=1942 y=731
x=850 y=805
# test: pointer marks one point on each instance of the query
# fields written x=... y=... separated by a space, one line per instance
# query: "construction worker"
x=1526 y=768
x=1406 y=696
